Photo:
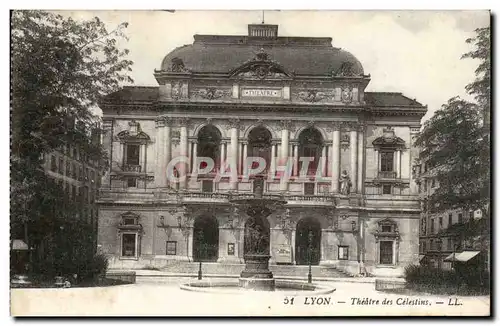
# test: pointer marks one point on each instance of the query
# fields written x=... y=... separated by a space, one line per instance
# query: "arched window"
x=259 y=145
x=209 y=140
x=310 y=146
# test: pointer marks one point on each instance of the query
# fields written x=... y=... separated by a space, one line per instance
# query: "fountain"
x=256 y=274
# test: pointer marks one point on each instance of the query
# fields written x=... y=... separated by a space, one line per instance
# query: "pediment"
x=389 y=139
x=133 y=134
x=261 y=67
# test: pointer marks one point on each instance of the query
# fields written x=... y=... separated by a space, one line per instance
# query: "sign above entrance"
x=261 y=92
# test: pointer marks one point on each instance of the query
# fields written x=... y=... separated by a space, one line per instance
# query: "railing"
x=131 y=168
x=320 y=198
x=207 y=195
x=387 y=174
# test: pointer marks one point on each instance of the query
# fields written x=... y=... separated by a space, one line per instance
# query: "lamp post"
x=309 y=275
x=200 y=252
x=439 y=243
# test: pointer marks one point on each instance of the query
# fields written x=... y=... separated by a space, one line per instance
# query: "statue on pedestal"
x=345 y=183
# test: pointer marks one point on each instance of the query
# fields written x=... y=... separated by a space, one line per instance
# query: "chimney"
x=263 y=30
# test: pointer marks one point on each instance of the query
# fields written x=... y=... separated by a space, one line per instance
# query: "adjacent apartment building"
x=438 y=232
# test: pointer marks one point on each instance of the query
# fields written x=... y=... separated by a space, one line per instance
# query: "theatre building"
x=351 y=200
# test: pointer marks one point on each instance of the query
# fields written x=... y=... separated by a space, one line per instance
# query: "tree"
x=60 y=69
x=480 y=88
x=455 y=145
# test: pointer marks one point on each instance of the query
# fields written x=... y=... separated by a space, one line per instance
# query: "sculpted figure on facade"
x=345 y=183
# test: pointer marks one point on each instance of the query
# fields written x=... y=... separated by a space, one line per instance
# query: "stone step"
x=235 y=269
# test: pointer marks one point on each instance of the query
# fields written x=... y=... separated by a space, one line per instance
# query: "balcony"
x=134 y=168
x=387 y=174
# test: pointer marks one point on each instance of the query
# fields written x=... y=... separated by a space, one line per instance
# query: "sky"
x=414 y=52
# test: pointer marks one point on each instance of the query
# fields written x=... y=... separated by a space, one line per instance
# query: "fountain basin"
x=233 y=287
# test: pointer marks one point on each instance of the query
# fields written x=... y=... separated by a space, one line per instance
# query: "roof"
x=151 y=94
x=302 y=55
x=134 y=94
x=389 y=99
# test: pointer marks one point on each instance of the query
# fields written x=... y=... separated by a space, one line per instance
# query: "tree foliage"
x=455 y=145
x=60 y=68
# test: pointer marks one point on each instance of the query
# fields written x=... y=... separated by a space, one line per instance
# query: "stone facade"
x=370 y=226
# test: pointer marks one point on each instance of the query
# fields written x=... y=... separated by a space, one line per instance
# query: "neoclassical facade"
x=351 y=200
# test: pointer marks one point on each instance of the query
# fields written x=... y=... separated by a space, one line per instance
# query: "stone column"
x=335 y=161
x=195 y=166
x=167 y=144
x=107 y=143
x=296 y=159
x=354 y=158
x=273 y=157
x=398 y=163
x=361 y=153
x=324 y=161
x=285 y=146
x=244 y=159
x=233 y=157
x=160 y=174
x=183 y=168
x=222 y=153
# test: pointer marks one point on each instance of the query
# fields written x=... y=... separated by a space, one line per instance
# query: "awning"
x=463 y=256
x=420 y=257
x=19 y=245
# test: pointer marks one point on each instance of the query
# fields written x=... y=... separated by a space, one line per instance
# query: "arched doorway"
x=205 y=239
x=310 y=145
x=209 y=139
x=259 y=145
x=257 y=236
x=308 y=241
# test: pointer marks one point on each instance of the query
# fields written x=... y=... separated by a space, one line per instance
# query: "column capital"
x=163 y=122
x=243 y=141
x=334 y=126
x=233 y=123
x=294 y=142
x=286 y=125
x=181 y=121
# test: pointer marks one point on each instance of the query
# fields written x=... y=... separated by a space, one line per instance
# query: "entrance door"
x=205 y=239
x=386 y=251
x=308 y=242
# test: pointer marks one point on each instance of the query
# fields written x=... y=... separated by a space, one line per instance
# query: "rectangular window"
x=343 y=252
x=432 y=225
x=450 y=219
x=230 y=249
x=128 y=244
x=207 y=186
x=61 y=166
x=132 y=154
x=450 y=245
x=132 y=182
x=387 y=161
x=309 y=188
x=424 y=245
x=460 y=218
x=386 y=189
x=172 y=248
x=386 y=248
x=74 y=171
x=386 y=228
x=440 y=222
x=53 y=165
